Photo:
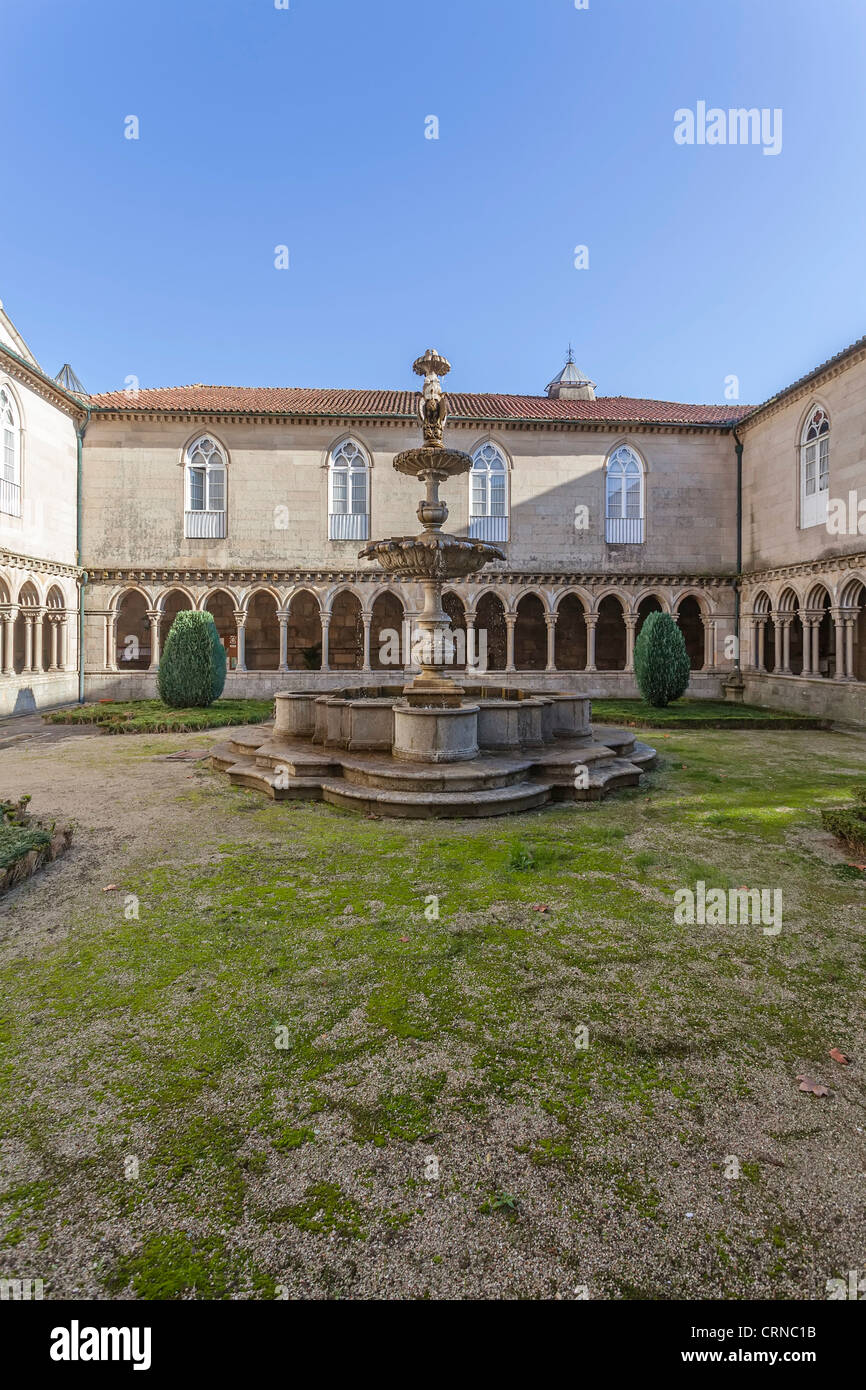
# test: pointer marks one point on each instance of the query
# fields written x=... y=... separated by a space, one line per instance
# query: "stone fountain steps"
x=498 y=801
x=487 y=774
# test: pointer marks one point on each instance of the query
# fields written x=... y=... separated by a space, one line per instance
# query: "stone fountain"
x=434 y=723
x=437 y=746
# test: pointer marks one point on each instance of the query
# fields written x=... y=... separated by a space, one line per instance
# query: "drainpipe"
x=739 y=449
x=80 y=431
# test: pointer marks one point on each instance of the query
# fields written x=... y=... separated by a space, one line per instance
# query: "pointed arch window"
x=488 y=497
x=624 y=498
x=10 y=455
x=349 y=493
x=815 y=469
x=205 y=486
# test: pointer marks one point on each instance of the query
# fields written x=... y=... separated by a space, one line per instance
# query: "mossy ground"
x=153 y=717
x=292 y=1052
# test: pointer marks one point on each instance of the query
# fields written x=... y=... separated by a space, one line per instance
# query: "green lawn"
x=684 y=714
x=341 y=1057
x=153 y=717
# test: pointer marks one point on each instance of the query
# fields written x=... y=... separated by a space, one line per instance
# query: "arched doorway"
x=175 y=602
x=692 y=628
x=386 y=620
x=346 y=633
x=132 y=633
x=530 y=635
x=222 y=606
x=610 y=637
x=262 y=633
x=490 y=619
x=304 y=633
x=647 y=605
x=453 y=606
x=570 y=642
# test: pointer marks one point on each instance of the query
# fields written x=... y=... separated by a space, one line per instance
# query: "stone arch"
x=132 y=631
x=490 y=619
x=262 y=631
x=304 y=631
x=789 y=606
x=761 y=603
x=853 y=596
x=610 y=635
x=789 y=600
x=650 y=603
x=55 y=603
x=454 y=606
x=170 y=603
x=386 y=617
x=570 y=641
x=346 y=632
x=222 y=604
x=530 y=632
x=690 y=618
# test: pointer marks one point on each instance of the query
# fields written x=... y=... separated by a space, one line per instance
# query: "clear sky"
x=305 y=127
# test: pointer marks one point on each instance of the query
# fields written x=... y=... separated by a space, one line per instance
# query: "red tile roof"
x=402 y=405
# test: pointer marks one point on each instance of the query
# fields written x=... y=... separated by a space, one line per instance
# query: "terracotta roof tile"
x=402 y=405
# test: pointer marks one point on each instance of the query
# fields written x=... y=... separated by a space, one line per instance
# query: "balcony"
x=204 y=526
x=348 y=526
x=624 y=530
x=10 y=498
x=489 y=528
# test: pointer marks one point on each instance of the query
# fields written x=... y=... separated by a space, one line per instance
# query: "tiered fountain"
x=437 y=746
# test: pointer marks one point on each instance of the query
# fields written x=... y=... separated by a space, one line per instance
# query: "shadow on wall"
x=25 y=701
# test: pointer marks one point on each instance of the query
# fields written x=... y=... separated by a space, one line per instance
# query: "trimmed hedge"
x=661 y=662
x=192 y=667
x=849 y=822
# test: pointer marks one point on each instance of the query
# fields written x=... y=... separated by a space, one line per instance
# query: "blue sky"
x=306 y=127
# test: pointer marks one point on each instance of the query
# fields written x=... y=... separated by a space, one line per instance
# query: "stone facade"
x=294 y=605
x=39 y=575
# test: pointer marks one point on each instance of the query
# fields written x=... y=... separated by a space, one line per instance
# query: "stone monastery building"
x=118 y=510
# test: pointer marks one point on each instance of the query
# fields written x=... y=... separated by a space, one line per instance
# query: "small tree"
x=192 y=668
x=661 y=662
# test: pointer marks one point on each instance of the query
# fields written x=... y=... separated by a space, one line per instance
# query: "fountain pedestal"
x=432 y=723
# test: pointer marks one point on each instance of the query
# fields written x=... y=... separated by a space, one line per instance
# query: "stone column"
x=591 y=621
x=839 y=624
x=241 y=624
x=806 y=624
x=37 y=642
x=154 y=617
x=471 y=653
x=709 y=644
x=510 y=624
x=366 y=619
x=550 y=620
x=9 y=642
x=28 y=642
x=778 y=630
x=785 y=657
x=111 y=641
x=630 y=630
x=816 y=646
x=326 y=623
x=283 y=616
x=63 y=641
x=55 y=632
x=760 y=654
x=849 y=647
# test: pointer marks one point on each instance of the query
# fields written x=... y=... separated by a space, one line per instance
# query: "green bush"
x=661 y=662
x=192 y=668
x=849 y=822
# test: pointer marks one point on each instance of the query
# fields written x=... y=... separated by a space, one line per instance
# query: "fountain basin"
x=435 y=733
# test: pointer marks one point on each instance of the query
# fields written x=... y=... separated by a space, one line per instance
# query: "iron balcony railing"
x=624 y=530
x=10 y=498
x=489 y=528
x=204 y=525
x=348 y=526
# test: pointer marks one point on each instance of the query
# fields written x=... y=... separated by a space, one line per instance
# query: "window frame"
x=207 y=522
x=346 y=520
x=624 y=528
x=489 y=462
x=814 y=455
x=10 y=488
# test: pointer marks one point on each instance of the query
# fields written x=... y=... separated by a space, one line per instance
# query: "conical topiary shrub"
x=192 y=668
x=661 y=662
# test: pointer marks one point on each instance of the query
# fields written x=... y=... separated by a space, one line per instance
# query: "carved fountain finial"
x=432 y=407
